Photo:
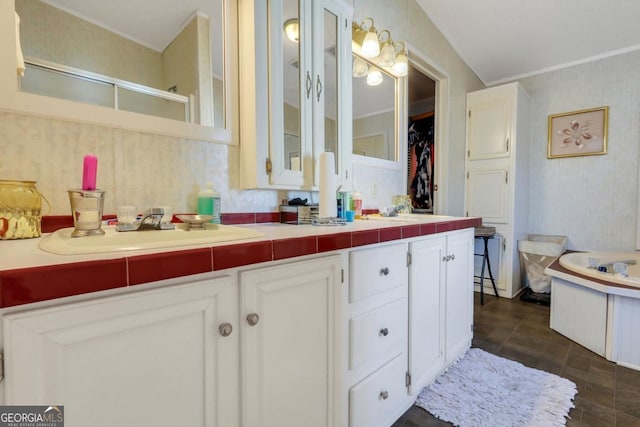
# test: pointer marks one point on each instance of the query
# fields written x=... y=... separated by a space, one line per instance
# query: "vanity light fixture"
x=292 y=29
x=377 y=48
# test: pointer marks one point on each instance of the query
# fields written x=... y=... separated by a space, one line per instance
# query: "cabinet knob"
x=384 y=395
x=452 y=257
x=384 y=332
x=384 y=271
x=225 y=329
x=445 y=258
x=253 y=319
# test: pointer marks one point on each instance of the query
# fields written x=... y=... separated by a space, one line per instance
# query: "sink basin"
x=61 y=242
x=410 y=218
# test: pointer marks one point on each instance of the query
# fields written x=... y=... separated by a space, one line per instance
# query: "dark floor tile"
x=624 y=420
x=598 y=393
x=627 y=399
x=593 y=411
x=608 y=395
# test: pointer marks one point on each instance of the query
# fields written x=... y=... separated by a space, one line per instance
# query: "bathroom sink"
x=61 y=242
x=410 y=218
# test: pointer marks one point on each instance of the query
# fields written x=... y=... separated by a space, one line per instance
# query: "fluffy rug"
x=482 y=389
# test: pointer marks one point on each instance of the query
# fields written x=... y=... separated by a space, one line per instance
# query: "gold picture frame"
x=578 y=133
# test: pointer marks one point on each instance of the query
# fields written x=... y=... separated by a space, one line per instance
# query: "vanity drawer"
x=376 y=270
x=376 y=400
x=378 y=334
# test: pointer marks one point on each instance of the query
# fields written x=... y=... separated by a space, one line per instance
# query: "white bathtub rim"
x=615 y=284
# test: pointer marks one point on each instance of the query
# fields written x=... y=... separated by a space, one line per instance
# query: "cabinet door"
x=426 y=311
x=154 y=357
x=290 y=340
x=459 y=294
x=332 y=108
x=488 y=126
x=487 y=193
x=290 y=91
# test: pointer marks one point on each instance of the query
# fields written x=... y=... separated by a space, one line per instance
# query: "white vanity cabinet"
x=290 y=339
x=295 y=97
x=377 y=335
x=410 y=315
x=497 y=176
x=161 y=357
x=440 y=304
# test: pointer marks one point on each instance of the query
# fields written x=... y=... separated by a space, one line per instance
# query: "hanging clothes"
x=421 y=165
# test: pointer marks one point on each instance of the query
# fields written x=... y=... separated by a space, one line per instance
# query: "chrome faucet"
x=151 y=220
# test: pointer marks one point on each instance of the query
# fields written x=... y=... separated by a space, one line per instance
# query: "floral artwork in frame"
x=578 y=133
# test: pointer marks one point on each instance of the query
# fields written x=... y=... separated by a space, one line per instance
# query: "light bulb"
x=401 y=67
x=360 y=68
x=371 y=45
x=292 y=29
x=387 y=55
x=374 y=78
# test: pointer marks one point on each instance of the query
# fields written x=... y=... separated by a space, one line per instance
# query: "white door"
x=459 y=294
x=152 y=358
x=290 y=323
x=426 y=311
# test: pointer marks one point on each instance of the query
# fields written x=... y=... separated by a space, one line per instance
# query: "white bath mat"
x=482 y=389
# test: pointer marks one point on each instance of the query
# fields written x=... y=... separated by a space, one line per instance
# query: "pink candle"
x=89 y=172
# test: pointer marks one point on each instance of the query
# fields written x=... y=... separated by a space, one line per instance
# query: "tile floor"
x=608 y=395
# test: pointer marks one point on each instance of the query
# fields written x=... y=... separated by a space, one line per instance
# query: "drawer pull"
x=253 y=319
x=384 y=332
x=384 y=395
x=225 y=329
x=384 y=271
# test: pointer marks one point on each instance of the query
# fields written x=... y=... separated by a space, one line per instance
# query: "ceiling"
x=502 y=40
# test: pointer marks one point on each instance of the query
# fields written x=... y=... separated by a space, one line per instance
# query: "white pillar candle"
x=328 y=207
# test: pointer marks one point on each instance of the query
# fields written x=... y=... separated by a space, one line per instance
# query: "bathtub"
x=598 y=310
x=579 y=262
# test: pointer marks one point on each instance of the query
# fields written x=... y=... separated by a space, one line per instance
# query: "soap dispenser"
x=209 y=203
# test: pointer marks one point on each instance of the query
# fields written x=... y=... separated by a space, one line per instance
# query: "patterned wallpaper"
x=592 y=199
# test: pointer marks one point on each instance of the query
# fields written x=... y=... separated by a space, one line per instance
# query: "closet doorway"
x=421 y=152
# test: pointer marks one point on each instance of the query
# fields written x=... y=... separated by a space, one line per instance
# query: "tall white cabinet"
x=497 y=177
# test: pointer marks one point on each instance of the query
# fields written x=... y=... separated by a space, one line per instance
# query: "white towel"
x=19 y=57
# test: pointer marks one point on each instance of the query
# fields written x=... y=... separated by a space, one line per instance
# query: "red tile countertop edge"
x=23 y=286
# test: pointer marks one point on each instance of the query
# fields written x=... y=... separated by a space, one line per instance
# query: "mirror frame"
x=14 y=100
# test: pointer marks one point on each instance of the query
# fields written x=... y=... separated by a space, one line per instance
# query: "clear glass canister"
x=20 y=210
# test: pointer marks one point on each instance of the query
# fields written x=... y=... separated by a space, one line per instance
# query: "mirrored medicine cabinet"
x=130 y=64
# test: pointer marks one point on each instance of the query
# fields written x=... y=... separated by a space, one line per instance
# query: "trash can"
x=537 y=252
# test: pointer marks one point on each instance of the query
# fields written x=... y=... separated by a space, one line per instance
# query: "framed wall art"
x=578 y=133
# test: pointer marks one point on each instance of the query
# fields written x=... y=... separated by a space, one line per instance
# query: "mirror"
x=374 y=111
x=292 y=38
x=158 y=60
